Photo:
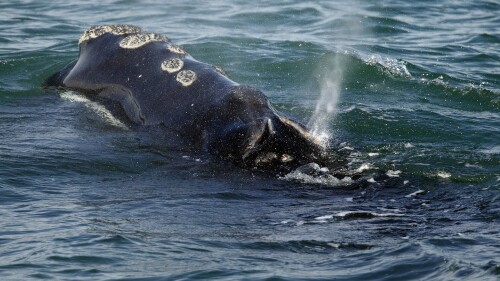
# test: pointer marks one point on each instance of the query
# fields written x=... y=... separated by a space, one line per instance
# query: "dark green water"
x=83 y=198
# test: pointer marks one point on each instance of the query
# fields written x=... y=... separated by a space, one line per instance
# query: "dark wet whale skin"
x=212 y=113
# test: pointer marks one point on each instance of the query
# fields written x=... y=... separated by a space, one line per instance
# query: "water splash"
x=326 y=106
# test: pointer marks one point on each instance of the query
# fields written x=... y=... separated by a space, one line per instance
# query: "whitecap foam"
x=420 y=191
x=493 y=150
x=390 y=65
x=324 y=179
x=356 y=214
x=468 y=165
x=408 y=145
x=99 y=109
x=443 y=174
x=393 y=174
x=327 y=217
x=364 y=167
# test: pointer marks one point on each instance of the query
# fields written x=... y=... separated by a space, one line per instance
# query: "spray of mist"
x=326 y=107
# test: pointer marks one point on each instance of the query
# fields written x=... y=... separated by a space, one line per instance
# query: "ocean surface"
x=409 y=91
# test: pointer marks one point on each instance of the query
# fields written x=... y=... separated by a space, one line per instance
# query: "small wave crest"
x=389 y=65
x=356 y=215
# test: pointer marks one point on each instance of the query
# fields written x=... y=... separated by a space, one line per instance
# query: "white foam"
x=420 y=191
x=390 y=65
x=443 y=174
x=324 y=179
x=473 y=166
x=389 y=209
x=347 y=213
x=440 y=81
x=492 y=150
x=344 y=214
x=347 y=148
x=99 y=109
x=327 y=217
x=334 y=245
x=364 y=167
x=393 y=174
x=373 y=154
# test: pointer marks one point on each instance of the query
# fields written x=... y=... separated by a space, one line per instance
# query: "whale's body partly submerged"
x=157 y=83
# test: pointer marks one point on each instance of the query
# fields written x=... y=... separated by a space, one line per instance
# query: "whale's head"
x=253 y=134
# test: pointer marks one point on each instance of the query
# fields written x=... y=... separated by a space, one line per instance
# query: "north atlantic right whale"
x=157 y=83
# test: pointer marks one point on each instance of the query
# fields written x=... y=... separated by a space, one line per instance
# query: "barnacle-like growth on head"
x=172 y=65
x=186 y=77
x=99 y=30
x=134 y=41
x=176 y=49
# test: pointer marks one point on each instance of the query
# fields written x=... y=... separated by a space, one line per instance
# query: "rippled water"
x=82 y=197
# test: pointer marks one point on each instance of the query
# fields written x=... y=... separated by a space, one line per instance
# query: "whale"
x=155 y=82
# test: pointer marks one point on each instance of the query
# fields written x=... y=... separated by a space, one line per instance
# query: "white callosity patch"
x=176 y=49
x=186 y=77
x=172 y=65
x=99 y=30
x=219 y=69
x=135 y=41
x=286 y=158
